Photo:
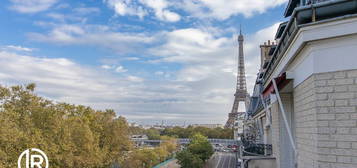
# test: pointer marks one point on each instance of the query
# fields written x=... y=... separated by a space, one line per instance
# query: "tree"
x=153 y=134
x=218 y=133
x=197 y=152
x=188 y=160
x=70 y=135
x=201 y=147
x=148 y=157
x=170 y=144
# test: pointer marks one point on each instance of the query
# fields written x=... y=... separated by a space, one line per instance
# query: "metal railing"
x=253 y=149
x=258 y=150
x=285 y=40
x=308 y=2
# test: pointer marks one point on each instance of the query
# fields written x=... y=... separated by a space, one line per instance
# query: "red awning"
x=281 y=82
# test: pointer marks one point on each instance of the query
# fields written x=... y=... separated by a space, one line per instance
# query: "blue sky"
x=149 y=60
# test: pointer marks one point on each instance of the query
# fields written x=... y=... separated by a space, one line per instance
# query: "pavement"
x=172 y=163
x=222 y=160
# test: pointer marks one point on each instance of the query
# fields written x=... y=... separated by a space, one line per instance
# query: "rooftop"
x=303 y=13
x=313 y=13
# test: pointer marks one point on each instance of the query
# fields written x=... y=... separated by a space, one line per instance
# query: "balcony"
x=255 y=155
x=252 y=149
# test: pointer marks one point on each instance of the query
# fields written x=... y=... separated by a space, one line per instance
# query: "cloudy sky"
x=149 y=60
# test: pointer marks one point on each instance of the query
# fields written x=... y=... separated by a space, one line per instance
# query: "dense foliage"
x=180 y=132
x=188 y=160
x=148 y=157
x=197 y=152
x=70 y=135
x=217 y=133
x=152 y=133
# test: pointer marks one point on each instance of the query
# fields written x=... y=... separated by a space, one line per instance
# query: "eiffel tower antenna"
x=240 y=29
x=241 y=94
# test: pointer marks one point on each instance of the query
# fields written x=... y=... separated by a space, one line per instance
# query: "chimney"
x=264 y=53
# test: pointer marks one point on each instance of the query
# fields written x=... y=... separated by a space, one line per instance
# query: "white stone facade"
x=325 y=117
x=321 y=99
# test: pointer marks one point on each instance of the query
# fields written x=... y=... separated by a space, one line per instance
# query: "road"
x=222 y=160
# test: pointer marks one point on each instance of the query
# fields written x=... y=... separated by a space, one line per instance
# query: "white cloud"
x=131 y=58
x=169 y=16
x=17 y=48
x=120 y=69
x=206 y=57
x=135 y=79
x=159 y=6
x=96 y=35
x=204 y=86
x=66 y=81
x=31 y=6
x=117 y=69
x=126 y=7
x=216 y=9
x=107 y=67
x=140 y=9
x=223 y=9
x=191 y=45
x=59 y=78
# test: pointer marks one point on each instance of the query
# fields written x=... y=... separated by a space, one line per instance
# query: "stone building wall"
x=336 y=103
x=325 y=120
x=275 y=129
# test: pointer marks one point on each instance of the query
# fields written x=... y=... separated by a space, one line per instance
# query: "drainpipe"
x=285 y=120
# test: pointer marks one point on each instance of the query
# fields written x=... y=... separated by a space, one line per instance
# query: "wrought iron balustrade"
x=253 y=149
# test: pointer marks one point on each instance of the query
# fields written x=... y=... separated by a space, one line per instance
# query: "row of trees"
x=218 y=133
x=70 y=135
x=196 y=154
x=179 y=132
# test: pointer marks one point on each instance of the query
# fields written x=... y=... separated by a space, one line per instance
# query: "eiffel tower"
x=241 y=94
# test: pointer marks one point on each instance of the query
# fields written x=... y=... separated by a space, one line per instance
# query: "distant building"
x=139 y=137
x=305 y=97
x=208 y=125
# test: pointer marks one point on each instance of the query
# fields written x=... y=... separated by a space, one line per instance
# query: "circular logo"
x=34 y=158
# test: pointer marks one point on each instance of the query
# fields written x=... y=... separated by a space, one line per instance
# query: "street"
x=222 y=160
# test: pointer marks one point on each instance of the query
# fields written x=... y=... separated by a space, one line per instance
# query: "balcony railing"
x=309 y=2
x=253 y=149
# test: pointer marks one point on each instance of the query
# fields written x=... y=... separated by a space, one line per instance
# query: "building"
x=305 y=97
x=208 y=125
x=139 y=137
